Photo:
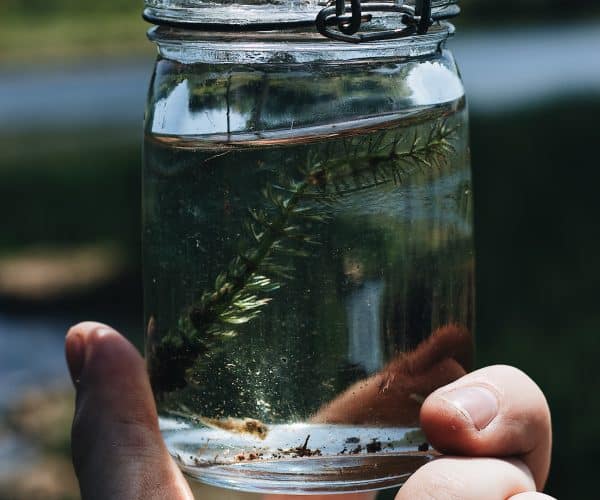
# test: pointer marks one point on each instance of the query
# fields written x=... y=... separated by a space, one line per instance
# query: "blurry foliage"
x=56 y=8
x=538 y=241
x=492 y=11
x=42 y=419
x=36 y=30
x=70 y=189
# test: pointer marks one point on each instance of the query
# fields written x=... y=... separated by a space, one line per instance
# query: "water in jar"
x=304 y=292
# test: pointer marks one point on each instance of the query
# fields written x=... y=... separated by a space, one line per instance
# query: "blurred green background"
x=73 y=75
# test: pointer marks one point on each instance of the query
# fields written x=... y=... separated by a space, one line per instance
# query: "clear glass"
x=308 y=259
x=253 y=11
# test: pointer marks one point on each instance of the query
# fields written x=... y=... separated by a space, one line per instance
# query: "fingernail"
x=476 y=403
x=75 y=353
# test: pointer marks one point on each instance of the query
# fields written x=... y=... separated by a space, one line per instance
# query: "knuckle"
x=518 y=378
x=511 y=372
x=525 y=424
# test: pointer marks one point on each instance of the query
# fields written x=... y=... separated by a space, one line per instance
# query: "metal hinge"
x=342 y=21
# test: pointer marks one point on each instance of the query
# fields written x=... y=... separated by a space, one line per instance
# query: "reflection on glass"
x=304 y=291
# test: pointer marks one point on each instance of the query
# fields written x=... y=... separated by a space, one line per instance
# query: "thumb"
x=118 y=451
x=496 y=411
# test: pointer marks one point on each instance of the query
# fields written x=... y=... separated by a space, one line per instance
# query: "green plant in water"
x=244 y=288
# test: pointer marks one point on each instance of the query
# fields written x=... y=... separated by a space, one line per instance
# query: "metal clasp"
x=415 y=20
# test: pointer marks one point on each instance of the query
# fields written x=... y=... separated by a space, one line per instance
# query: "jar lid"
x=266 y=15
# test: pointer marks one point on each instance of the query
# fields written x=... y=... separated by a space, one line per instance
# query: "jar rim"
x=254 y=14
x=297 y=46
x=357 y=22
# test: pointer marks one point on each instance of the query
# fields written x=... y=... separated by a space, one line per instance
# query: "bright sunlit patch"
x=298 y=425
x=432 y=82
x=171 y=424
x=173 y=115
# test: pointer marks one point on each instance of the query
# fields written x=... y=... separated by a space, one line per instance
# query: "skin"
x=118 y=451
x=393 y=396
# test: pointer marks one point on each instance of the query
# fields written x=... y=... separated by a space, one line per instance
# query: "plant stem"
x=236 y=297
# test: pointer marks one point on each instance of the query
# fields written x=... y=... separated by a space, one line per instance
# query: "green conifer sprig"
x=245 y=287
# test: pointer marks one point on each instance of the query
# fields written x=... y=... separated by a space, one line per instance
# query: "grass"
x=32 y=39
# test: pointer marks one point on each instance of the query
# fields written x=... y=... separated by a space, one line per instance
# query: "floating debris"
x=241 y=457
x=238 y=425
x=374 y=446
x=298 y=451
x=305 y=451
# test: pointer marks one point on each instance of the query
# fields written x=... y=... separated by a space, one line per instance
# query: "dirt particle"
x=374 y=446
x=299 y=451
x=238 y=425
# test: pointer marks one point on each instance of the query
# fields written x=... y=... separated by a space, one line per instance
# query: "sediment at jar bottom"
x=301 y=457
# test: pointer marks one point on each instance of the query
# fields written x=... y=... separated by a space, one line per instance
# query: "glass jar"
x=308 y=245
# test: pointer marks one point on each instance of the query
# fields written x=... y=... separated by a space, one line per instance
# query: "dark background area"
x=73 y=76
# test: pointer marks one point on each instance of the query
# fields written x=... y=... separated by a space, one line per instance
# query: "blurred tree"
x=60 y=7
x=493 y=11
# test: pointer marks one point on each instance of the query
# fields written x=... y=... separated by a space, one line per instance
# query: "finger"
x=496 y=411
x=393 y=395
x=369 y=495
x=531 y=496
x=118 y=452
x=450 y=478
